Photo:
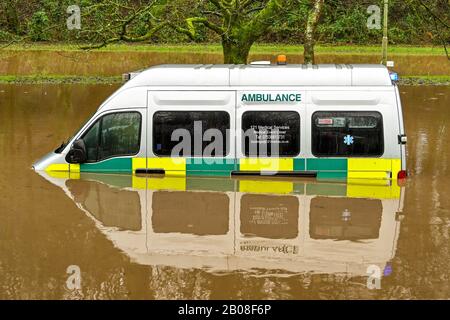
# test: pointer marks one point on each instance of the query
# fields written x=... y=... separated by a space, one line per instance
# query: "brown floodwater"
x=29 y=62
x=154 y=238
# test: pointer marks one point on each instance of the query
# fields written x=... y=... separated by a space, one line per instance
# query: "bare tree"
x=238 y=23
x=440 y=20
x=118 y=19
x=11 y=15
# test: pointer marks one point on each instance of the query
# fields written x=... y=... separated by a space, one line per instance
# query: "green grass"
x=213 y=48
x=437 y=80
x=256 y=49
x=57 y=79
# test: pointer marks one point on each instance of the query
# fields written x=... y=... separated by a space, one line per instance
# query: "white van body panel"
x=262 y=75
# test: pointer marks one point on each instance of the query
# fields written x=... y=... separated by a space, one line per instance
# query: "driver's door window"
x=115 y=134
x=91 y=142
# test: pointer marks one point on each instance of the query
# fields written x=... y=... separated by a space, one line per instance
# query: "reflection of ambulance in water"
x=225 y=225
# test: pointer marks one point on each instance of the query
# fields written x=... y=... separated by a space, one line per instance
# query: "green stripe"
x=322 y=189
x=332 y=175
x=122 y=165
x=326 y=164
x=299 y=188
x=117 y=180
x=327 y=168
x=299 y=164
x=208 y=173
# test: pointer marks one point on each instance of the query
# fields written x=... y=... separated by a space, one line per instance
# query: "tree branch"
x=191 y=30
x=258 y=25
x=219 y=4
x=435 y=16
x=215 y=13
x=120 y=25
x=146 y=36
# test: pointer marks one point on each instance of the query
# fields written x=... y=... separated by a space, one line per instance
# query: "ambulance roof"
x=262 y=75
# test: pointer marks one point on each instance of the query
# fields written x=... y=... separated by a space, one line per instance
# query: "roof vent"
x=260 y=63
x=128 y=76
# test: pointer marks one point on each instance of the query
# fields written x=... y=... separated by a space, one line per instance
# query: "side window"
x=266 y=131
x=91 y=141
x=200 y=128
x=349 y=133
x=115 y=134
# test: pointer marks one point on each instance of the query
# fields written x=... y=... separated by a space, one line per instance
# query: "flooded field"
x=22 y=63
x=172 y=238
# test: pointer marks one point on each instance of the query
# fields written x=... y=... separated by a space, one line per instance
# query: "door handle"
x=149 y=171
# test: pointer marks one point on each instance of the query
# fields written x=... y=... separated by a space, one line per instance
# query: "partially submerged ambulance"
x=331 y=122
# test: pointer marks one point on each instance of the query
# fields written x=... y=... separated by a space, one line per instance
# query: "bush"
x=348 y=26
x=38 y=26
x=6 y=36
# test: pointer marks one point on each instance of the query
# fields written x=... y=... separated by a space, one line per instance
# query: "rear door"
x=402 y=132
x=353 y=134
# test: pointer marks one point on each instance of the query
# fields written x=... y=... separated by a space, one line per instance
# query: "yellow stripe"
x=74 y=168
x=266 y=164
x=373 y=191
x=63 y=171
x=396 y=167
x=59 y=174
x=138 y=163
x=369 y=168
x=278 y=187
x=171 y=166
x=369 y=164
x=383 y=175
x=74 y=175
x=167 y=183
x=139 y=182
x=58 y=167
x=368 y=182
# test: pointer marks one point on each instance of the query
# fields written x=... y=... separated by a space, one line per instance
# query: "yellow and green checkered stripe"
x=369 y=189
x=377 y=189
x=327 y=169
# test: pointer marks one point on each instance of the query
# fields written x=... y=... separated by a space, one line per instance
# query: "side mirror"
x=77 y=153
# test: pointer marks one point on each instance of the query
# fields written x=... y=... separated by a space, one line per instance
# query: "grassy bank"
x=256 y=49
x=57 y=79
x=48 y=75
x=64 y=79
x=425 y=80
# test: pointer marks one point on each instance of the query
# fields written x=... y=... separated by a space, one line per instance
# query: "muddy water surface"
x=213 y=238
x=115 y=63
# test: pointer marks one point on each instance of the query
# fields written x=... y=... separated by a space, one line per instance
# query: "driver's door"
x=116 y=142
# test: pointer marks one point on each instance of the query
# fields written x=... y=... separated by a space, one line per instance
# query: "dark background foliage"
x=342 y=22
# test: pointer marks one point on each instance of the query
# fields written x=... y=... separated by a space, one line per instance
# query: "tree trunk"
x=235 y=52
x=12 y=18
x=313 y=19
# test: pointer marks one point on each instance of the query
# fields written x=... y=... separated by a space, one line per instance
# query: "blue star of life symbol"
x=348 y=140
